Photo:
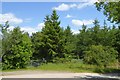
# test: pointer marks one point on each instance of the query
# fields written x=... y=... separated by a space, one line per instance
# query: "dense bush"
x=19 y=52
x=100 y=55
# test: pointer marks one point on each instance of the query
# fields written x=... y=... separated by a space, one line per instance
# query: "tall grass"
x=73 y=66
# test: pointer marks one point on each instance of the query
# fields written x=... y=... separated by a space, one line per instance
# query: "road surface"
x=56 y=74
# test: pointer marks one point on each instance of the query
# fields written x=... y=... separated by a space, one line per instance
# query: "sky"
x=29 y=16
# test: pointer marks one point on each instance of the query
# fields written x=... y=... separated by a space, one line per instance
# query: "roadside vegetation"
x=95 y=49
x=77 y=67
x=73 y=66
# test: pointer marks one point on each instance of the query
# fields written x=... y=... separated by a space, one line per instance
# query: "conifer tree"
x=70 y=41
x=52 y=42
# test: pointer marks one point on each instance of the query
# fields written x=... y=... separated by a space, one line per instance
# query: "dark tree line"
x=98 y=45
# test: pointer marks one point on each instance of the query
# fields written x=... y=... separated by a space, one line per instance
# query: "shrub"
x=100 y=55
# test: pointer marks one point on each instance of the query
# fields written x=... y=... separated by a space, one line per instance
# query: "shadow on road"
x=98 y=79
x=110 y=76
x=59 y=79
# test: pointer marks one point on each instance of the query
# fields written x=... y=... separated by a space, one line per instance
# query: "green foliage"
x=96 y=45
x=74 y=66
x=61 y=60
x=116 y=43
x=83 y=41
x=100 y=55
x=95 y=36
x=0 y=47
x=4 y=37
x=19 y=52
x=110 y=9
x=87 y=37
x=70 y=42
x=51 y=39
x=36 y=46
x=69 y=67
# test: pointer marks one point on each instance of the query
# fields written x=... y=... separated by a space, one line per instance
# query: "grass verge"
x=71 y=67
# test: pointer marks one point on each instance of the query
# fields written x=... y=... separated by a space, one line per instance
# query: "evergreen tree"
x=96 y=31
x=84 y=41
x=36 y=46
x=70 y=42
x=52 y=40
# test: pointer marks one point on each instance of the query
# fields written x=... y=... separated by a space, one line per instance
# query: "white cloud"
x=82 y=5
x=64 y=7
x=72 y=5
x=41 y=25
x=87 y=3
x=68 y=16
x=93 y=1
x=10 y=17
x=75 y=31
x=29 y=29
x=81 y=22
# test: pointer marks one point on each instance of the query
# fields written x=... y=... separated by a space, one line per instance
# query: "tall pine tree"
x=52 y=42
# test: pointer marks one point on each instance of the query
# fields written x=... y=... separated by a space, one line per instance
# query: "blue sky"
x=30 y=15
